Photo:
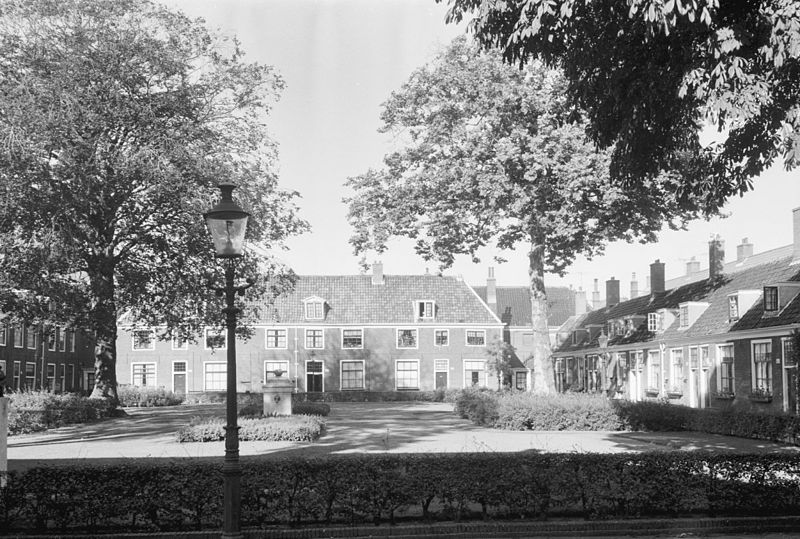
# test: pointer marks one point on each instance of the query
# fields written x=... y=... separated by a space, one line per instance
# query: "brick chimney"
x=743 y=250
x=491 y=290
x=634 y=286
x=596 y=295
x=612 y=292
x=580 y=301
x=692 y=266
x=796 y=237
x=657 y=276
x=377 y=273
x=716 y=256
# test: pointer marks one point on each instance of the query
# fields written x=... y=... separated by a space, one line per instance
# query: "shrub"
x=477 y=405
x=147 y=396
x=272 y=429
x=568 y=411
x=32 y=411
x=356 y=488
x=311 y=408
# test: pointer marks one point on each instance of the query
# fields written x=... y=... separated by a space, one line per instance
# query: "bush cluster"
x=303 y=428
x=147 y=396
x=311 y=408
x=477 y=405
x=360 y=488
x=33 y=411
x=569 y=411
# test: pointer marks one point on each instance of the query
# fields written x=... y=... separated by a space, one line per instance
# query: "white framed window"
x=441 y=337
x=694 y=357
x=654 y=322
x=143 y=374
x=406 y=374
x=705 y=359
x=407 y=338
x=215 y=376
x=474 y=373
x=18 y=337
x=30 y=375
x=315 y=339
x=771 y=298
x=215 y=339
x=441 y=365
x=762 y=367
x=141 y=339
x=62 y=377
x=5 y=371
x=71 y=343
x=51 y=376
x=654 y=371
x=275 y=338
x=15 y=379
x=314 y=308
x=271 y=366
x=426 y=310
x=179 y=341
x=352 y=339
x=71 y=376
x=725 y=372
x=62 y=340
x=52 y=337
x=683 y=316
x=3 y=335
x=733 y=307
x=476 y=337
x=30 y=338
x=351 y=374
x=676 y=370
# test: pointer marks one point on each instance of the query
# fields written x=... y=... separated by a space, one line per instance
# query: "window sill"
x=674 y=394
x=725 y=397
x=652 y=392
x=760 y=398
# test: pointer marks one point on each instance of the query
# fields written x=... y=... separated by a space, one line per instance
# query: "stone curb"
x=479 y=530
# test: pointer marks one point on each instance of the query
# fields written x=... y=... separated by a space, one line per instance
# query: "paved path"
x=405 y=427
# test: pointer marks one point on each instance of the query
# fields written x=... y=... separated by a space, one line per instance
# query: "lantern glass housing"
x=227 y=224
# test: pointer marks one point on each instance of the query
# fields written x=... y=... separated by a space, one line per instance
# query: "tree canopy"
x=491 y=155
x=650 y=73
x=117 y=120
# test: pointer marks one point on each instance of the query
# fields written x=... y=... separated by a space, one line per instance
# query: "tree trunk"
x=539 y=363
x=103 y=318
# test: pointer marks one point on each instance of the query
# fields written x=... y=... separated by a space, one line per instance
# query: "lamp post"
x=227 y=223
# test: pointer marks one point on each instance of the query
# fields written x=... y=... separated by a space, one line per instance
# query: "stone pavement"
x=402 y=427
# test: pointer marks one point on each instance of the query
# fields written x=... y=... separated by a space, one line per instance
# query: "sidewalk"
x=403 y=427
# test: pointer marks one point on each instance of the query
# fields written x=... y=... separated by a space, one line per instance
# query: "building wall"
x=35 y=366
x=379 y=355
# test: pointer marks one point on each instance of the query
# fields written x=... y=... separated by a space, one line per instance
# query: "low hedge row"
x=438 y=395
x=360 y=488
x=581 y=411
x=147 y=396
x=300 y=428
x=33 y=411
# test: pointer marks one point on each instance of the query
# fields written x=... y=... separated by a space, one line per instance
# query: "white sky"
x=341 y=59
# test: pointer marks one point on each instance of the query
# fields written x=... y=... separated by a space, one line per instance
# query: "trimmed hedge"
x=311 y=408
x=438 y=395
x=359 y=488
x=570 y=411
x=147 y=396
x=303 y=428
x=33 y=411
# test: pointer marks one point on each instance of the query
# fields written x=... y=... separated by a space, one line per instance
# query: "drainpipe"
x=296 y=364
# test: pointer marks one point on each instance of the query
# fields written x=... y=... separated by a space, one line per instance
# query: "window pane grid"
x=352 y=375
x=407 y=375
x=476 y=338
x=215 y=376
x=313 y=338
x=352 y=338
x=276 y=338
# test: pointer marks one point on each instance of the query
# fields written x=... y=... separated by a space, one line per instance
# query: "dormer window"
x=683 y=316
x=733 y=308
x=426 y=310
x=314 y=308
x=655 y=322
x=771 y=298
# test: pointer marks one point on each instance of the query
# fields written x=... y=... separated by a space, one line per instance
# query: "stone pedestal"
x=278 y=396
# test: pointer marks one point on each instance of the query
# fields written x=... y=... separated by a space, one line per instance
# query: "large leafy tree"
x=495 y=155
x=651 y=73
x=117 y=119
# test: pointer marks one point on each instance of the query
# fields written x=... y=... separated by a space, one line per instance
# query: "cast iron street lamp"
x=227 y=223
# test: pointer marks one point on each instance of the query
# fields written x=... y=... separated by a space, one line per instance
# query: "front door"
x=314 y=376
x=441 y=380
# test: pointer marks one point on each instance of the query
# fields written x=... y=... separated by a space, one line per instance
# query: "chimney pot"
x=716 y=256
x=491 y=291
x=692 y=266
x=580 y=302
x=612 y=292
x=634 y=286
x=377 y=273
x=744 y=250
x=596 y=295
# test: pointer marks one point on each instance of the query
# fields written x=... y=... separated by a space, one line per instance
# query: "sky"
x=340 y=60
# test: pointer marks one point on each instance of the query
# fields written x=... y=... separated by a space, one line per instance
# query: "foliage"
x=359 y=488
x=492 y=154
x=477 y=405
x=437 y=395
x=568 y=411
x=311 y=408
x=147 y=396
x=649 y=71
x=32 y=411
x=500 y=354
x=301 y=428
x=118 y=118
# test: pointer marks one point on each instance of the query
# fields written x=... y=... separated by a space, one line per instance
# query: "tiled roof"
x=735 y=266
x=514 y=304
x=353 y=300
x=714 y=320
